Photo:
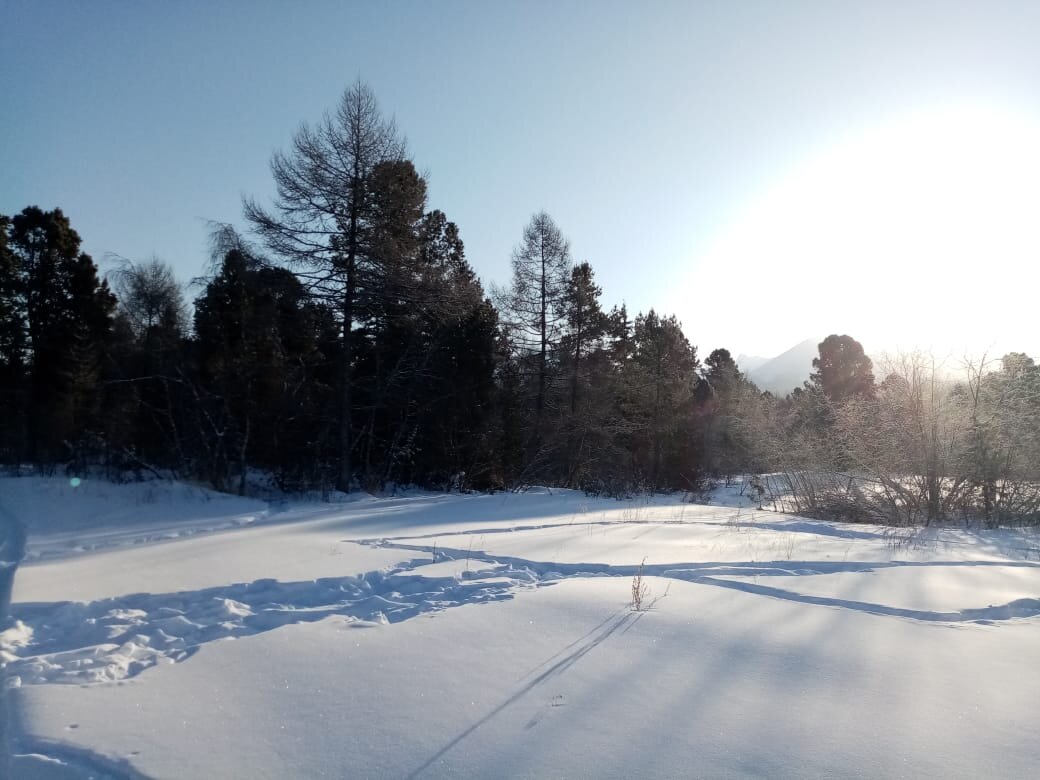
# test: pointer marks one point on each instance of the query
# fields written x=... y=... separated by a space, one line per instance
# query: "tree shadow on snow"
x=115 y=638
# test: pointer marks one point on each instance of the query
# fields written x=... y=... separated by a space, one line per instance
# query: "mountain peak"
x=783 y=373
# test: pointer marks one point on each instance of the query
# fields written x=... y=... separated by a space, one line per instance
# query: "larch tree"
x=326 y=222
x=534 y=306
x=147 y=363
x=150 y=298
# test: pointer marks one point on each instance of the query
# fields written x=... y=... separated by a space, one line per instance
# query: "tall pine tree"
x=54 y=292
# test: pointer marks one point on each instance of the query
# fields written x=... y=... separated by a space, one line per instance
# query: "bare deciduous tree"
x=324 y=223
x=150 y=296
x=534 y=306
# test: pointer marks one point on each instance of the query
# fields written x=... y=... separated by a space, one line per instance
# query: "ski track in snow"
x=113 y=639
x=729 y=519
x=709 y=573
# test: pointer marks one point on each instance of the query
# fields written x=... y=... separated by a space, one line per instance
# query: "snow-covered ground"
x=161 y=630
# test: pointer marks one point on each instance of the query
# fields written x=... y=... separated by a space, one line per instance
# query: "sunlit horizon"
x=916 y=233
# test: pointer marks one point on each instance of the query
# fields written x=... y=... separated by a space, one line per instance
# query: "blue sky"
x=649 y=131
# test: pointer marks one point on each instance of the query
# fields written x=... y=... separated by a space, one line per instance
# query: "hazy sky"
x=767 y=171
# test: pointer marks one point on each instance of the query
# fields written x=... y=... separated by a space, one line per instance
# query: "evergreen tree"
x=13 y=351
x=619 y=333
x=510 y=414
x=67 y=313
x=259 y=364
x=429 y=364
x=842 y=370
x=662 y=374
x=724 y=396
x=389 y=341
x=585 y=328
x=722 y=374
x=454 y=443
x=586 y=423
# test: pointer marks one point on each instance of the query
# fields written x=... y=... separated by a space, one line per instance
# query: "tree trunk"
x=541 y=361
x=577 y=357
x=346 y=440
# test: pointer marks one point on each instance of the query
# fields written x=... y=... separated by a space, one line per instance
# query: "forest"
x=345 y=343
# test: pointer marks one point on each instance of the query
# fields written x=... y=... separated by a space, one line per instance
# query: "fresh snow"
x=161 y=630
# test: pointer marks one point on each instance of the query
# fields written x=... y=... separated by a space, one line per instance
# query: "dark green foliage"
x=722 y=375
x=586 y=326
x=842 y=370
x=661 y=378
x=588 y=414
x=56 y=325
x=589 y=399
x=725 y=399
x=13 y=351
x=259 y=380
x=426 y=367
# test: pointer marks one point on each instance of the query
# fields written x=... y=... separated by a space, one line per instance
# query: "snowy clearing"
x=161 y=630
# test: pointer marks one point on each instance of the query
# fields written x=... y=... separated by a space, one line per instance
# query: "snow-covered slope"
x=434 y=636
x=783 y=373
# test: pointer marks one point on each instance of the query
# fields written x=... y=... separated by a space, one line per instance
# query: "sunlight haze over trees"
x=767 y=151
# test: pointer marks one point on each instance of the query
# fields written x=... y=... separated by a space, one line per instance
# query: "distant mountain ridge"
x=783 y=373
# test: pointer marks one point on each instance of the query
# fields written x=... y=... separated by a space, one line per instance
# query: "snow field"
x=433 y=635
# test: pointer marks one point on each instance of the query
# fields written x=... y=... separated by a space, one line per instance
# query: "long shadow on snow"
x=77 y=761
x=724 y=520
x=806 y=527
x=111 y=639
x=1019 y=608
x=675 y=570
x=556 y=506
x=707 y=573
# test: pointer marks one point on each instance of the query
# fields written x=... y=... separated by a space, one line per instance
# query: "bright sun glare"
x=917 y=233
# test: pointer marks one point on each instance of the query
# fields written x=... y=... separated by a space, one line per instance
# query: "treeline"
x=351 y=346
x=929 y=443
